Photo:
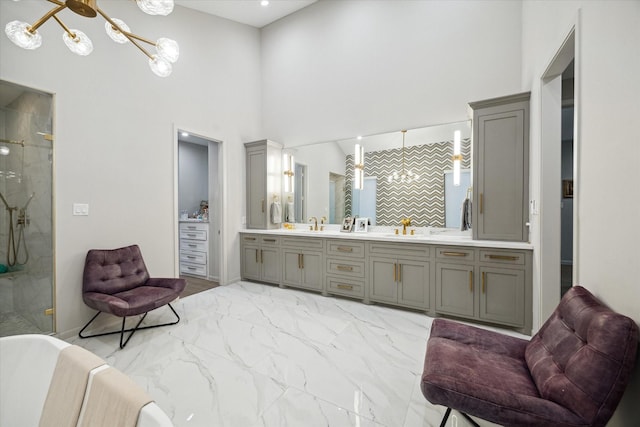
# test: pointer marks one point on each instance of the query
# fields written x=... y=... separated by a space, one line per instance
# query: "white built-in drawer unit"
x=194 y=248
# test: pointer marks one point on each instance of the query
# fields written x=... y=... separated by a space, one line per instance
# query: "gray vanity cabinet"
x=303 y=265
x=400 y=274
x=501 y=168
x=345 y=272
x=263 y=166
x=260 y=258
x=455 y=281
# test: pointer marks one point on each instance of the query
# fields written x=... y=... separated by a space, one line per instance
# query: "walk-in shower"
x=26 y=226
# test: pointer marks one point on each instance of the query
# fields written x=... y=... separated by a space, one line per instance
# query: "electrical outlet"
x=81 y=209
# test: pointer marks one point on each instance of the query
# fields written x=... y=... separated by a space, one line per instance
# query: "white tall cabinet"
x=264 y=182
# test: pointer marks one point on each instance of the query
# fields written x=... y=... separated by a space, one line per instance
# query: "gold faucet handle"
x=323 y=219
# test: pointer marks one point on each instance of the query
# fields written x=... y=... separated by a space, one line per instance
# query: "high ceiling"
x=248 y=12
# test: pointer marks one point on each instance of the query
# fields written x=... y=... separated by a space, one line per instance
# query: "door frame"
x=219 y=209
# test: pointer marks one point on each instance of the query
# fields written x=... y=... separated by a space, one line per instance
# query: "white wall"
x=607 y=92
x=338 y=69
x=114 y=131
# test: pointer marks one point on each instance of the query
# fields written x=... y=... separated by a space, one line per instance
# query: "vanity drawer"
x=196 y=270
x=454 y=253
x=270 y=240
x=411 y=251
x=193 y=245
x=193 y=257
x=345 y=267
x=345 y=248
x=194 y=226
x=301 y=242
x=346 y=287
x=193 y=234
x=502 y=257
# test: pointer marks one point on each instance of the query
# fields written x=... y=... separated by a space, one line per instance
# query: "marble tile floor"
x=249 y=355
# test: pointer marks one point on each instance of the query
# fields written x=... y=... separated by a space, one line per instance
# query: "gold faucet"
x=322 y=220
x=406 y=222
x=315 y=220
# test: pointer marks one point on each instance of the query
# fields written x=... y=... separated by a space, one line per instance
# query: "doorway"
x=199 y=213
x=558 y=183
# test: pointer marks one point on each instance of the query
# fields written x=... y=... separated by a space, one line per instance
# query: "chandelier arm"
x=66 y=29
x=32 y=29
x=59 y=3
x=137 y=37
x=126 y=34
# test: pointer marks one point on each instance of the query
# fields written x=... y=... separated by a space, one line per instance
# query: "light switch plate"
x=81 y=209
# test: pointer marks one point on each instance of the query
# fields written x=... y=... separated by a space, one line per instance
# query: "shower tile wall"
x=423 y=200
x=27 y=292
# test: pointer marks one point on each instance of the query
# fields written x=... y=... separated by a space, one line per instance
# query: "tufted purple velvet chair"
x=573 y=372
x=117 y=282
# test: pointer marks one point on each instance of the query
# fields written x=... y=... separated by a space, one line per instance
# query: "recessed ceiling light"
x=264 y=3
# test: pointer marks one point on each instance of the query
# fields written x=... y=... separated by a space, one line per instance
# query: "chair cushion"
x=583 y=355
x=110 y=271
x=484 y=373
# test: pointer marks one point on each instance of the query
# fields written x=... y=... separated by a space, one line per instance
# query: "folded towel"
x=113 y=400
x=290 y=212
x=276 y=213
x=68 y=386
x=465 y=215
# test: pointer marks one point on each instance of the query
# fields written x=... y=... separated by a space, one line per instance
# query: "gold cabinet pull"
x=299 y=267
x=191 y=227
x=480 y=202
x=261 y=257
x=270 y=240
x=191 y=257
x=250 y=238
x=454 y=253
x=483 y=282
x=503 y=257
x=191 y=234
x=344 y=249
x=344 y=268
x=471 y=281
x=346 y=287
x=302 y=260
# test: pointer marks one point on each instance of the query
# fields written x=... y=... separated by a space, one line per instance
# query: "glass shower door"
x=26 y=226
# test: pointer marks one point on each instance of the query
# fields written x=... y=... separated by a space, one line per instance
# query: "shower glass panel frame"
x=27 y=279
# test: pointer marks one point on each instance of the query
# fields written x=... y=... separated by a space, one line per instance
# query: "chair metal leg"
x=123 y=330
x=445 y=418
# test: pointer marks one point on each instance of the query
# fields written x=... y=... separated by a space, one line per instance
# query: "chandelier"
x=167 y=51
x=403 y=176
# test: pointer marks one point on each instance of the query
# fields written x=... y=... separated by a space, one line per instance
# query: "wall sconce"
x=288 y=164
x=358 y=167
x=457 y=158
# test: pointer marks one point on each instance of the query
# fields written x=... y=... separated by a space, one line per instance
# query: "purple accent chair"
x=117 y=282
x=573 y=372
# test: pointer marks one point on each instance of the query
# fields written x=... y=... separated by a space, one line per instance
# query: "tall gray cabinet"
x=501 y=168
x=264 y=182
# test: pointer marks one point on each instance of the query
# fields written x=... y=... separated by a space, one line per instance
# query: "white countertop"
x=429 y=236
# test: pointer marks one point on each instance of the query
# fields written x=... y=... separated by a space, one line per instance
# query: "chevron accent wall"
x=423 y=200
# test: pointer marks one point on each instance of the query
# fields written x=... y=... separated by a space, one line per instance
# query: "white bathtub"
x=27 y=363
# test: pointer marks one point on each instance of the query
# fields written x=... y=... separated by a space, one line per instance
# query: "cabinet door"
x=256 y=188
x=500 y=180
x=502 y=295
x=251 y=262
x=455 y=289
x=270 y=263
x=291 y=270
x=413 y=278
x=383 y=280
x=312 y=267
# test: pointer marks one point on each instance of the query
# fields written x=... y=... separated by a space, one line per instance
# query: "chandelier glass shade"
x=26 y=36
x=403 y=176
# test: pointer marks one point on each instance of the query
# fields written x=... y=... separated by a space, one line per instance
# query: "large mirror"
x=328 y=188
